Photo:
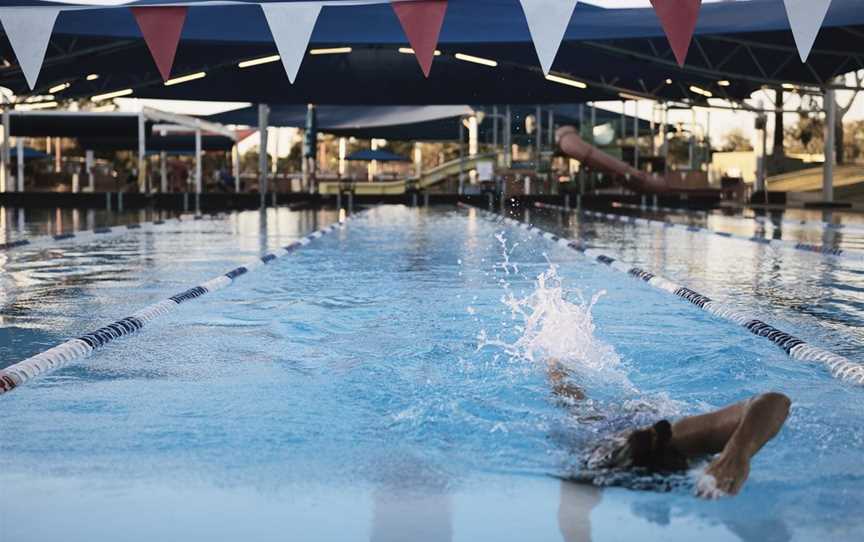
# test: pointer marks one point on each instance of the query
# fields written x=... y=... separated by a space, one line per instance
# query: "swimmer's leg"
x=737 y=432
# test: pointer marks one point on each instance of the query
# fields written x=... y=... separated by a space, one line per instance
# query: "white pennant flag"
x=806 y=18
x=29 y=30
x=548 y=21
x=291 y=24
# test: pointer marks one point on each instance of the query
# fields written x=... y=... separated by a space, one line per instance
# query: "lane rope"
x=795 y=245
x=42 y=241
x=802 y=224
x=839 y=366
x=81 y=347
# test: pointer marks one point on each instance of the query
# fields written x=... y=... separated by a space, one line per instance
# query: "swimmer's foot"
x=724 y=476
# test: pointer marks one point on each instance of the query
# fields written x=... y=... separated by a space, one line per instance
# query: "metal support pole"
x=495 y=127
x=653 y=129
x=263 y=119
x=461 y=156
x=665 y=139
x=623 y=121
x=19 y=141
x=538 y=137
x=58 y=155
x=6 y=181
x=198 y=171
x=418 y=159
x=163 y=172
x=343 y=152
x=508 y=138
x=830 y=103
x=89 y=159
x=142 y=154
x=550 y=138
x=636 y=134
x=235 y=167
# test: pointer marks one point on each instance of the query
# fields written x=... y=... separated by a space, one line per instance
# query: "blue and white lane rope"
x=839 y=366
x=795 y=245
x=801 y=224
x=86 y=235
x=77 y=349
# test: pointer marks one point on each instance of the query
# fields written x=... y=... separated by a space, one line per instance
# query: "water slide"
x=429 y=178
x=639 y=181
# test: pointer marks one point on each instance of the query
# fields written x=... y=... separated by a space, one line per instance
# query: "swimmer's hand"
x=724 y=476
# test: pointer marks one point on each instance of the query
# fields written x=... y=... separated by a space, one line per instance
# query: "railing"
x=429 y=178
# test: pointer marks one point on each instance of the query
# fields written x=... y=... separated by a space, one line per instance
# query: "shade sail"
x=29 y=154
x=368 y=155
x=173 y=143
x=417 y=123
x=747 y=43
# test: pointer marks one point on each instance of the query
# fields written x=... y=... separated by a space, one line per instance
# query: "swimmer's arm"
x=759 y=420
x=557 y=374
x=742 y=428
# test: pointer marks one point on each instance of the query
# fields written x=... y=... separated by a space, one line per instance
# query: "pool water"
x=387 y=382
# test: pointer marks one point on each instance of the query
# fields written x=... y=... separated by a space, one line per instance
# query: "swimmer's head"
x=647 y=448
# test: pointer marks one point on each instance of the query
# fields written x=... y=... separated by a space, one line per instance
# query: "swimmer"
x=733 y=434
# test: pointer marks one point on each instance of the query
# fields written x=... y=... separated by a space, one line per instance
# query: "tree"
x=736 y=141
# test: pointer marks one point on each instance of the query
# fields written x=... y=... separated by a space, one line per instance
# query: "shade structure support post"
x=163 y=172
x=19 y=141
x=508 y=138
x=198 y=171
x=89 y=160
x=372 y=169
x=653 y=128
x=636 y=134
x=58 y=155
x=582 y=133
x=830 y=103
x=235 y=167
x=142 y=153
x=6 y=181
x=665 y=139
x=343 y=153
x=418 y=159
x=495 y=127
x=310 y=147
x=623 y=121
x=461 y=156
x=263 y=121
x=538 y=137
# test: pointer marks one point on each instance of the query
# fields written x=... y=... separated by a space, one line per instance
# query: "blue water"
x=376 y=386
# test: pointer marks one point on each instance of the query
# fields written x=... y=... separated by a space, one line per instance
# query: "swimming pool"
x=383 y=383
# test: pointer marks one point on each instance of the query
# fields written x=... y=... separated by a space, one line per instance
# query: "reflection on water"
x=412 y=501
x=574 y=511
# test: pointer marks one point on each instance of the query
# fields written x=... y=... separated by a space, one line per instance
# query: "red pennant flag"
x=422 y=20
x=161 y=28
x=678 y=18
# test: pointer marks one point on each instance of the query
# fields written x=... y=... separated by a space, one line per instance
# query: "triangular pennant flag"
x=422 y=20
x=291 y=24
x=678 y=18
x=161 y=28
x=548 y=21
x=806 y=18
x=29 y=31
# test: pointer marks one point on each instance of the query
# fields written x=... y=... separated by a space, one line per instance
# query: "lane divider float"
x=79 y=348
x=839 y=366
x=85 y=235
x=795 y=245
x=802 y=224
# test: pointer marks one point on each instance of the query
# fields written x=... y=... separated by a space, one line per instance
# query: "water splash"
x=554 y=324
